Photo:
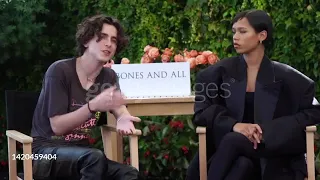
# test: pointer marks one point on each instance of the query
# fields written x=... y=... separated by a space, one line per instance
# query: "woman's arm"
x=209 y=108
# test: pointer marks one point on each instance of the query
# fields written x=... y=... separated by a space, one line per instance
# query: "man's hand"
x=252 y=131
x=125 y=124
x=107 y=100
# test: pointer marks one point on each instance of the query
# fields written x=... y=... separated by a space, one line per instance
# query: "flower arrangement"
x=194 y=57
x=152 y=54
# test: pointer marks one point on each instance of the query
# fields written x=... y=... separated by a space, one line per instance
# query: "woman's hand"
x=252 y=131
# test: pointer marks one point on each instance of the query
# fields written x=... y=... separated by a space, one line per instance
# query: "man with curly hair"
x=75 y=93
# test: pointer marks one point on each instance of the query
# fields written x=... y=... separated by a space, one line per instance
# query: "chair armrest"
x=113 y=129
x=201 y=130
x=311 y=128
x=26 y=141
x=18 y=136
x=133 y=143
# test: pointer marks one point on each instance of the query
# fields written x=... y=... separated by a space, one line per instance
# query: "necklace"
x=88 y=79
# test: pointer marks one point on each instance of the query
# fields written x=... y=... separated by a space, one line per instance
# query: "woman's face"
x=245 y=38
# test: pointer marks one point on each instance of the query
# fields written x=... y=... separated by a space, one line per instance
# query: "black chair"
x=20 y=108
x=19 y=111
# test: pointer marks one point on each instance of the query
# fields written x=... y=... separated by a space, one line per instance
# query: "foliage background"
x=35 y=33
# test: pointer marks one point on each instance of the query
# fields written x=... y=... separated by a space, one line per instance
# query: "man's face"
x=103 y=49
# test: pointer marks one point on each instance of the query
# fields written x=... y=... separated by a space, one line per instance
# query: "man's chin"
x=104 y=60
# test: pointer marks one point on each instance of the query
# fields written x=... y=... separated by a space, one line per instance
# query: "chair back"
x=20 y=108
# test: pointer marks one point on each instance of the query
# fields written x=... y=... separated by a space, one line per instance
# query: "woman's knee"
x=244 y=163
x=233 y=138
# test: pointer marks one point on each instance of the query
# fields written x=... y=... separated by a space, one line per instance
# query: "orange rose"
x=165 y=58
x=146 y=59
x=206 y=53
x=125 y=61
x=193 y=53
x=153 y=53
x=212 y=58
x=168 y=52
x=147 y=48
x=109 y=64
x=178 y=58
x=192 y=62
x=201 y=59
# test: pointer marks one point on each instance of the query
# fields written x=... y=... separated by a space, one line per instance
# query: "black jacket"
x=282 y=107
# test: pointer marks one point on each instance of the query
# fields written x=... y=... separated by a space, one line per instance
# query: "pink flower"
x=147 y=48
x=109 y=64
x=165 y=58
x=201 y=59
x=206 y=53
x=212 y=59
x=178 y=58
x=146 y=59
x=193 y=53
x=168 y=52
x=192 y=62
x=125 y=61
x=153 y=53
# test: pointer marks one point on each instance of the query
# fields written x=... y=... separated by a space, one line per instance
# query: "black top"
x=62 y=93
x=248 y=116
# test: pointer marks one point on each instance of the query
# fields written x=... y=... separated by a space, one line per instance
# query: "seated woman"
x=256 y=109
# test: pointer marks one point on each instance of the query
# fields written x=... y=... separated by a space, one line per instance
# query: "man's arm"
x=62 y=124
x=120 y=112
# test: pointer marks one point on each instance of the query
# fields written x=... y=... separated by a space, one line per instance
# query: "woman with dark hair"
x=258 y=111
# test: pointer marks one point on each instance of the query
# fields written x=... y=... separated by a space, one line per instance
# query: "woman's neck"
x=254 y=58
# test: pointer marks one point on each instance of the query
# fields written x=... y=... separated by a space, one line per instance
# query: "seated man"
x=75 y=93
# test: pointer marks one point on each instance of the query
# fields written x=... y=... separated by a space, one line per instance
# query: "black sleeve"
x=209 y=109
x=55 y=92
x=287 y=134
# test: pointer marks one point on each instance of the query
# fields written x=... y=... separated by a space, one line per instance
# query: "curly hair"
x=92 y=26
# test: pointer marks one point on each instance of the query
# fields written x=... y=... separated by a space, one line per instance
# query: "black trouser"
x=80 y=163
x=235 y=159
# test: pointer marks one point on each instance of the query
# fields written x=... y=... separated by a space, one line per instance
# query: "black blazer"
x=283 y=107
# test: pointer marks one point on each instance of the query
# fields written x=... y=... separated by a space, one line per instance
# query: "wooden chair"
x=310 y=157
x=310 y=130
x=19 y=109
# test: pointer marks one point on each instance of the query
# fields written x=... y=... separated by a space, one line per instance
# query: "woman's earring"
x=260 y=41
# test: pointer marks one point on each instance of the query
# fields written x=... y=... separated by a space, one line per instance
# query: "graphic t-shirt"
x=62 y=93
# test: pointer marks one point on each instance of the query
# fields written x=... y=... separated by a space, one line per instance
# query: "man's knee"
x=120 y=171
x=96 y=155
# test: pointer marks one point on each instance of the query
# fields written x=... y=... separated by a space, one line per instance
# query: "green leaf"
x=165 y=131
x=190 y=124
x=145 y=130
